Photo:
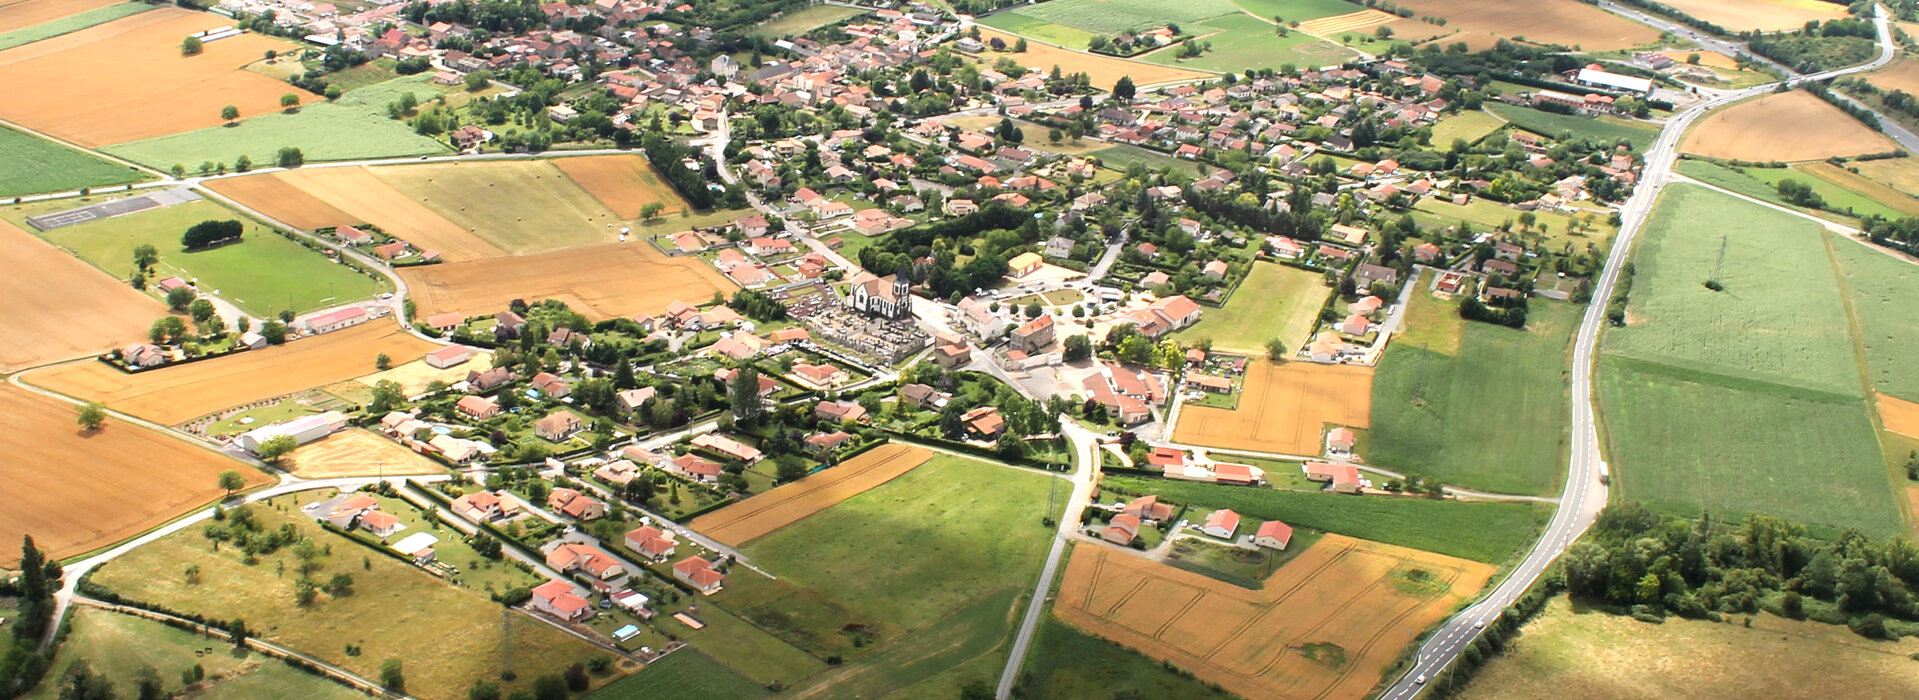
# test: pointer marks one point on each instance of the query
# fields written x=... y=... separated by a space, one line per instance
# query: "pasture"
x=173 y=395
x=767 y=512
x=1068 y=663
x=26 y=22
x=1568 y=126
x=77 y=491
x=1794 y=126
x=686 y=674
x=469 y=636
x=35 y=165
x=1563 y=22
x=618 y=279
x=1882 y=288
x=1779 y=319
x=1275 y=301
x=1761 y=15
x=356 y=452
x=354 y=195
x=799 y=22
x=1110 y=17
x=1570 y=646
x=1242 y=42
x=1467 y=126
x=118 y=646
x=353 y=127
x=1341 y=593
x=1295 y=10
x=624 y=184
x=1284 y=408
x=923 y=661
x=262 y=274
x=1481 y=531
x=59 y=308
x=1843 y=189
x=520 y=206
x=1429 y=412
x=1122 y=156
x=83 y=87
x=1101 y=71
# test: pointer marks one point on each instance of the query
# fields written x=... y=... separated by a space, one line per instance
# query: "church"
x=888 y=297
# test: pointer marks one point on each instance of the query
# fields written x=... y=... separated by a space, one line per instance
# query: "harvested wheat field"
x=76 y=492
x=1326 y=625
x=126 y=80
x=416 y=376
x=60 y=308
x=1762 y=15
x=1903 y=74
x=1899 y=415
x=622 y=183
x=1566 y=22
x=619 y=279
x=20 y=14
x=366 y=198
x=174 y=395
x=272 y=195
x=1100 y=70
x=1283 y=408
x=1794 y=126
x=356 y=452
x=522 y=206
x=754 y=517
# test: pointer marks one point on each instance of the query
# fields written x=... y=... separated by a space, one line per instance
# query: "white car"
x=1421 y=680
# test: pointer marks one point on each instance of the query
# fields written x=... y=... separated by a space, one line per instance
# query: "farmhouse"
x=568 y=556
x=303 y=430
x=698 y=573
x=561 y=599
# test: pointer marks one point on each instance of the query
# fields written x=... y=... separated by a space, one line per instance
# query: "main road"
x=1585 y=493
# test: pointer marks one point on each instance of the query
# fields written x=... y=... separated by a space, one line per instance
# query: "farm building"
x=448 y=356
x=334 y=320
x=1591 y=76
x=303 y=430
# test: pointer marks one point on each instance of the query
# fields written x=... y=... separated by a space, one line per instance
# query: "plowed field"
x=1794 y=126
x=754 y=517
x=77 y=491
x=356 y=452
x=619 y=279
x=59 y=307
x=1326 y=625
x=1285 y=408
x=1566 y=22
x=622 y=183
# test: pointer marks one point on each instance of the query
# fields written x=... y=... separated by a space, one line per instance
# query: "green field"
x=1275 y=301
x=1122 y=156
x=34 y=165
x=1836 y=197
x=1110 y=17
x=1481 y=531
x=1241 y=41
x=118 y=646
x=802 y=21
x=1882 y=288
x=973 y=634
x=1068 y=664
x=1040 y=29
x=1554 y=227
x=71 y=23
x=263 y=274
x=353 y=127
x=1297 y=10
x=1727 y=177
x=1431 y=414
x=1779 y=318
x=1471 y=126
x=686 y=674
x=1562 y=126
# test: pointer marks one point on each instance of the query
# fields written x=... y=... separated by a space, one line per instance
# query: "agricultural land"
x=799 y=22
x=683 y=675
x=355 y=195
x=1762 y=15
x=23 y=23
x=604 y=281
x=624 y=184
x=1562 y=22
x=768 y=512
x=100 y=311
x=1880 y=286
x=34 y=165
x=1788 y=127
x=21 y=14
x=356 y=453
x=1068 y=663
x=1286 y=408
x=118 y=646
x=1100 y=70
x=521 y=206
x=1275 y=301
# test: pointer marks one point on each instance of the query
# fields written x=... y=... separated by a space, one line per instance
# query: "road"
x=1585 y=494
x=1086 y=444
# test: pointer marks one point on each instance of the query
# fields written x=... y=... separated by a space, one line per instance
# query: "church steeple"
x=902 y=290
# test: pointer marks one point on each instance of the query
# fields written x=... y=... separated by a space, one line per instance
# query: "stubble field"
x=765 y=513
x=1285 y=408
x=20 y=14
x=356 y=452
x=1763 y=15
x=1794 y=126
x=1327 y=624
x=520 y=206
x=1566 y=22
x=619 y=279
x=363 y=196
x=58 y=307
x=78 y=491
x=1903 y=74
x=623 y=184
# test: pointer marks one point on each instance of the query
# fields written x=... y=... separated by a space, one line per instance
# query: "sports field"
x=1762 y=15
x=174 y=395
x=78 y=491
x=1571 y=647
x=1794 y=126
x=520 y=206
x=356 y=126
x=624 y=184
x=87 y=86
x=35 y=165
x=117 y=646
x=356 y=452
x=1242 y=42
x=1101 y=71
x=1284 y=408
x=59 y=308
x=1275 y=301
x=1564 y=22
x=618 y=279
x=348 y=196
x=1327 y=624
x=767 y=512
x=1882 y=289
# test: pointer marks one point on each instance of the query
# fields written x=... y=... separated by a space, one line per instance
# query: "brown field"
x=1569 y=651
x=1709 y=59
x=1874 y=190
x=1567 y=22
x=622 y=183
x=1340 y=591
x=59 y=307
x=359 y=194
x=20 y=14
x=1285 y=408
x=415 y=376
x=760 y=515
x=1901 y=173
x=126 y=80
x=1101 y=70
x=76 y=492
x=173 y=395
x=272 y=195
x=603 y=281
x=1899 y=416
x=1794 y=126
x=1763 y=15
x=356 y=452
x=1903 y=74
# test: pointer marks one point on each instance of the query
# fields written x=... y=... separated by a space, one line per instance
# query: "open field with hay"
x=1295 y=10
x=1101 y=71
x=1762 y=15
x=1564 y=22
x=1328 y=623
x=353 y=127
x=385 y=617
x=624 y=184
x=789 y=503
x=1569 y=646
x=117 y=646
x=1789 y=127
x=174 y=395
x=78 y=491
x=356 y=452
x=35 y=165
x=521 y=206
x=1275 y=301
x=273 y=196
x=1901 y=173
x=416 y=376
x=87 y=86
x=59 y=308
x=1882 y=288
x=1241 y=42
x=619 y=279
x=1283 y=408
x=362 y=195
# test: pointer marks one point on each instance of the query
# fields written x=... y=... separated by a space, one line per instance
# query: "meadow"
x=1430 y=409
x=1122 y=156
x=117 y=646
x=1882 y=289
x=1101 y=71
x=1555 y=228
x=1843 y=190
x=919 y=660
x=1068 y=663
x=1763 y=15
x=1275 y=301
x=1564 y=126
x=1480 y=531
x=800 y=22
x=1242 y=41
x=35 y=165
x=686 y=674
x=1469 y=126
x=1296 y=10
x=1110 y=17
x=10 y=37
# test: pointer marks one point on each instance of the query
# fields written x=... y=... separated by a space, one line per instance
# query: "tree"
x=1124 y=90
x=147 y=685
x=744 y=395
x=178 y=298
x=791 y=467
x=1078 y=347
x=387 y=396
x=576 y=679
x=36 y=599
x=200 y=310
x=393 y=675
x=145 y=256
x=290 y=157
x=1019 y=46
x=273 y=448
x=977 y=690
x=212 y=231
x=651 y=210
x=638 y=490
x=192 y=46
x=289 y=101
x=92 y=415
x=81 y=683
x=549 y=687
x=1276 y=350
x=232 y=480
x=229 y=113
x=1383 y=32
x=166 y=329
x=274 y=332
x=242 y=164
x=382 y=362
x=341 y=585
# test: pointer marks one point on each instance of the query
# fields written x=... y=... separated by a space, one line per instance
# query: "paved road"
x=1585 y=493
x=1085 y=443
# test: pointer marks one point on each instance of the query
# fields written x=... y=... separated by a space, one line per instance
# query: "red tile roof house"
x=984 y=421
x=650 y=543
x=1238 y=474
x=477 y=407
x=698 y=573
x=1149 y=509
x=1339 y=442
x=727 y=446
x=1164 y=457
x=1273 y=534
x=695 y=468
x=820 y=375
x=1341 y=478
x=483 y=506
x=446 y=322
x=560 y=599
x=559 y=426
x=569 y=556
x=575 y=505
x=838 y=412
x=1121 y=530
x=1221 y=524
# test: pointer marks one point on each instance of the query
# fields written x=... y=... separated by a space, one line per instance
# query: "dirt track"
x=1284 y=408
x=760 y=515
x=58 y=307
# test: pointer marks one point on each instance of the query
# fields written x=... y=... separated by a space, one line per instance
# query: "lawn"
x=353 y=127
x=1241 y=42
x=1067 y=663
x=1470 y=126
x=1554 y=227
x=1122 y=156
x=1563 y=126
x=34 y=165
x=1481 y=531
x=263 y=274
x=1430 y=410
x=1275 y=301
x=71 y=23
x=117 y=646
x=799 y=22
x=686 y=674
x=1882 y=289
x=1779 y=318
x=1297 y=10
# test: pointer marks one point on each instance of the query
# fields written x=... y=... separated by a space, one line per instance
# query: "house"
x=1273 y=534
x=820 y=375
x=144 y=355
x=980 y=320
x=1221 y=524
x=1034 y=336
x=1368 y=274
x=696 y=468
x=483 y=506
x=551 y=384
x=632 y=399
x=1339 y=442
x=617 y=472
x=753 y=226
x=1215 y=269
x=698 y=573
x=984 y=422
x=558 y=426
x=567 y=557
x=923 y=396
x=820 y=443
x=453 y=449
x=649 y=542
x=1426 y=253
x=1238 y=474
x=508 y=325
x=446 y=322
x=390 y=251
x=838 y=411
x=448 y=356
x=566 y=337
x=1121 y=530
x=1127 y=394
x=727 y=446
x=1366 y=305
x=381 y=524
x=303 y=430
x=1355 y=325
x=1340 y=478
x=1148 y=509
x=575 y=505
x=1060 y=246
x=1163 y=457
x=488 y=380
x=561 y=599
x=334 y=320
x=767 y=384
x=1209 y=382
x=952 y=356
x=477 y=407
